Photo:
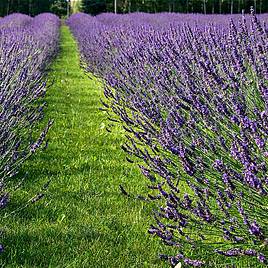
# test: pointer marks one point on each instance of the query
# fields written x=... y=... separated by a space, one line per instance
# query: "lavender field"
x=191 y=94
x=27 y=47
x=158 y=154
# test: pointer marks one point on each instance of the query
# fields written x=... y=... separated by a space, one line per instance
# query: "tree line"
x=184 y=6
x=60 y=7
x=33 y=7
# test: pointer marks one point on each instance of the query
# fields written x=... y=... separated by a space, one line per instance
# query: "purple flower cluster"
x=191 y=93
x=27 y=46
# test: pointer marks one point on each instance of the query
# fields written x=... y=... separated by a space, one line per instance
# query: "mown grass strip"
x=84 y=221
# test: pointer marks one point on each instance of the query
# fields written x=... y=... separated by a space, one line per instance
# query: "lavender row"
x=27 y=46
x=191 y=92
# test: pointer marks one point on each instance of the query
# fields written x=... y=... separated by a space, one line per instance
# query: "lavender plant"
x=192 y=98
x=27 y=46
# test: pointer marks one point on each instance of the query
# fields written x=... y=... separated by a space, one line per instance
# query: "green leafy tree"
x=30 y=7
x=94 y=7
x=76 y=6
x=59 y=7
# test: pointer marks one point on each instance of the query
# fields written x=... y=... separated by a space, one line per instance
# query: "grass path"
x=84 y=221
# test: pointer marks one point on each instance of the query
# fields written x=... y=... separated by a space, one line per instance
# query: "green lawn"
x=84 y=221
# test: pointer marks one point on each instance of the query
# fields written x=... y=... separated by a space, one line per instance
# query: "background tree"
x=59 y=7
x=33 y=7
x=30 y=7
x=76 y=6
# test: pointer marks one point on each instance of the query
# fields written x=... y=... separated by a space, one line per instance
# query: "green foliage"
x=33 y=7
x=30 y=7
x=76 y=6
x=95 y=7
x=59 y=7
x=196 y=6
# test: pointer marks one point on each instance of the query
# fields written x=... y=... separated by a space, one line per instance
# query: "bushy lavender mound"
x=191 y=92
x=27 y=46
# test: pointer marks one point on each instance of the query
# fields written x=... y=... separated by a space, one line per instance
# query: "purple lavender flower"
x=191 y=93
x=27 y=47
